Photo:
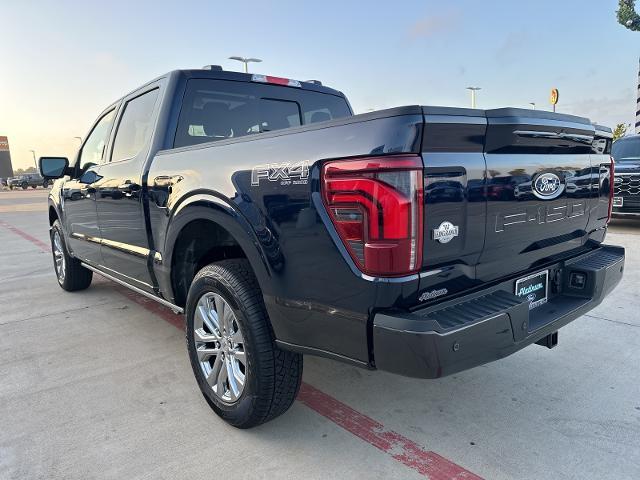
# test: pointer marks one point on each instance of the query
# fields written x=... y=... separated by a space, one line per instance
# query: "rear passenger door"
x=120 y=193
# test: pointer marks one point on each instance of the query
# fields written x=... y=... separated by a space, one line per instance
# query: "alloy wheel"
x=58 y=255
x=220 y=347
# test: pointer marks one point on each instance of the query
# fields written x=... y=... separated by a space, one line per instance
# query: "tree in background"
x=620 y=130
x=627 y=15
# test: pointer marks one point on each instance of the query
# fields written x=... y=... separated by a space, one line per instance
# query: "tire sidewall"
x=233 y=412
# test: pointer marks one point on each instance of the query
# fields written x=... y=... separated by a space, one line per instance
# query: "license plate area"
x=534 y=288
x=618 y=201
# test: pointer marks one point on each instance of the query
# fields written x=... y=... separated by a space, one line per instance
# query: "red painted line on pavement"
x=403 y=450
x=154 y=307
x=43 y=246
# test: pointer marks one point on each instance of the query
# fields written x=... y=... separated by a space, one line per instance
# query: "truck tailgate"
x=507 y=190
x=541 y=186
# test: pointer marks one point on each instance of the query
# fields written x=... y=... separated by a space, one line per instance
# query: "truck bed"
x=477 y=176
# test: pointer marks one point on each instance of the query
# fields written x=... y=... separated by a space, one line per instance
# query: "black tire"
x=75 y=277
x=25 y=185
x=273 y=376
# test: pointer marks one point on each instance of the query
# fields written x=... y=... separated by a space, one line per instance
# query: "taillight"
x=376 y=207
x=612 y=181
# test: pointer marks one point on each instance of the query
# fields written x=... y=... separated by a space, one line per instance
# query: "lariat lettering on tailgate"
x=540 y=214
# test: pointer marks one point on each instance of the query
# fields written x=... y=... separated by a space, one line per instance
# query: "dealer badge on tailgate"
x=533 y=288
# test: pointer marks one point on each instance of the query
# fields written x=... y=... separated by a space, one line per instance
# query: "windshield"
x=626 y=150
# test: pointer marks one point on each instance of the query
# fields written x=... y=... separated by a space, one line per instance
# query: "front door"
x=120 y=194
x=78 y=193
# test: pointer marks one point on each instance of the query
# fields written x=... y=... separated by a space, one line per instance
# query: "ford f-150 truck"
x=416 y=240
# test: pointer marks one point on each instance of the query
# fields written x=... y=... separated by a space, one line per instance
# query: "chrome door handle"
x=165 y=181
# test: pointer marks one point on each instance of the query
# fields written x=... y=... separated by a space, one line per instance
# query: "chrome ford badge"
x=547 y=186
x=445 y=232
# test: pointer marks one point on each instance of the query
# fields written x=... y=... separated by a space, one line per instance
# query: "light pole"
x=473 y=91
x=533 y=105
x=246 y=61
x=33 y=152
x=79 y=139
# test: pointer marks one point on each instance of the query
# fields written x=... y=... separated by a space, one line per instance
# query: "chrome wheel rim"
x=58 y=257
x=220 y=347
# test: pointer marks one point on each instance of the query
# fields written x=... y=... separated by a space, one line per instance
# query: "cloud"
x=606 y=110
x=434 y=24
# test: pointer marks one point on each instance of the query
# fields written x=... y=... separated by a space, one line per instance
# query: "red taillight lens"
x=612 y=182
x=376 y=207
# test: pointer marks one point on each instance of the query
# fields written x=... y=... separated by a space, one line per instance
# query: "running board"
x=162 y=301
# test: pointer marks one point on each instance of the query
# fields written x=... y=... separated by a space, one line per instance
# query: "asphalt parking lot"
x=97 y=384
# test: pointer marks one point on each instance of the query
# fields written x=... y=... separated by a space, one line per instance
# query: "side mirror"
x=54 y=167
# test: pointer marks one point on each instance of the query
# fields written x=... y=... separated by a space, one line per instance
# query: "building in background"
x=6 y=169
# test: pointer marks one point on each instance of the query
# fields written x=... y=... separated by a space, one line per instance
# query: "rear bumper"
x=492 y=323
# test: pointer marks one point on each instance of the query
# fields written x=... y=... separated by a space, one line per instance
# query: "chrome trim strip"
x=126 y=248
x=162 y=301
x=553 y=135
x=86 y=238
x=123 y=247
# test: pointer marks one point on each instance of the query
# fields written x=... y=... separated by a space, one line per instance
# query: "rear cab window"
x=222 y=109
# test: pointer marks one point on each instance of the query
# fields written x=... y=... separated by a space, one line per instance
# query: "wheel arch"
x=54 y=214
x=202 y=230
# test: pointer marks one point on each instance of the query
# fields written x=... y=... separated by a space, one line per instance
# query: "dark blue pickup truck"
x=416 y=240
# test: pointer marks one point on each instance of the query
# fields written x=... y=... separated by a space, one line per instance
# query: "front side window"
x=93 y=148
x=219 y=109
x=135 y=127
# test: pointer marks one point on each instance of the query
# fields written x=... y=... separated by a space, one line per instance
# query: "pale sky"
x=63 y=62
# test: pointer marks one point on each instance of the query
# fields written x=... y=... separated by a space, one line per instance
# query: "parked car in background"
x=626 y=192
x=3 y=182
x=33 y=180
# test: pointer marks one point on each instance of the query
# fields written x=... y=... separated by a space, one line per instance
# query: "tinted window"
x=134 y=129
x=219 y=109
x=626 y=150
x=93 y=148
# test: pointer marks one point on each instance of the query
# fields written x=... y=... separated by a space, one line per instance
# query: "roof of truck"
x=219 y=74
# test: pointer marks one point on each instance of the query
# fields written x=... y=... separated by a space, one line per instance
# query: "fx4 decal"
x=284 y=173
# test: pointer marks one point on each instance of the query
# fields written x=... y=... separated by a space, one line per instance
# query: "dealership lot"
x=97 y=384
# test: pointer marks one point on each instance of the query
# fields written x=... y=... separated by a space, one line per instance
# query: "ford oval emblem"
x=547 y=186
